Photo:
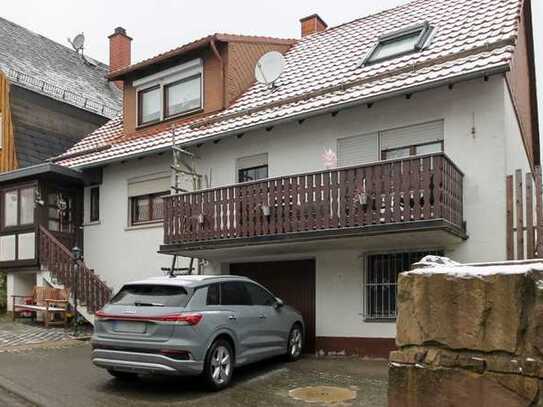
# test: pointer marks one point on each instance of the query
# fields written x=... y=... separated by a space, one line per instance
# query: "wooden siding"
x=240 y=66
x=524 y=215
x=8 y=158
x=388 y=193
x=44 y=127
x=522 y=86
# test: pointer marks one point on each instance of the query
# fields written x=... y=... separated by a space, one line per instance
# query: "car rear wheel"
x=295 y=343
x=219 y=365
x=122 y=375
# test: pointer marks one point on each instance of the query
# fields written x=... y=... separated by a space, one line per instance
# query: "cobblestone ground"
x=22 y=335
x=65 y=377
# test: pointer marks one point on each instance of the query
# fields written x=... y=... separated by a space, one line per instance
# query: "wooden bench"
x=48 y=300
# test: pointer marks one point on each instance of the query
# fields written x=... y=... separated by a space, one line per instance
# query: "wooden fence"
x=524 y=215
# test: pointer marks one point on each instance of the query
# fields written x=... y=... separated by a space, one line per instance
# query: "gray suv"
x=192 y=325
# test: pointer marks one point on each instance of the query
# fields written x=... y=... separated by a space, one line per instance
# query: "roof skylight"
x=398 y=43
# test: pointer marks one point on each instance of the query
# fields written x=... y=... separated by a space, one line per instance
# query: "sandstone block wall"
x=469 y=336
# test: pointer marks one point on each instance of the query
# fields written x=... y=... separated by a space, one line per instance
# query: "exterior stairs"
x=61 y=270
x=82 y=308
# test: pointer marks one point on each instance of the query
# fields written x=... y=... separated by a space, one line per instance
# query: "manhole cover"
x=322 y=394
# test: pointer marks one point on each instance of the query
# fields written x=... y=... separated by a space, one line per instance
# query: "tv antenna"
x=78 y=43
x=269 y=68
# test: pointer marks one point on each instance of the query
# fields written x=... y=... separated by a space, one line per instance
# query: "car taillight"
x=182 y=319
x=189 y=319
x=100 y=314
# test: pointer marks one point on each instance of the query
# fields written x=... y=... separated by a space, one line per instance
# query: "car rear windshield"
x=152 y=296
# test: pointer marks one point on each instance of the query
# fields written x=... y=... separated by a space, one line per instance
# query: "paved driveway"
x=64 y=376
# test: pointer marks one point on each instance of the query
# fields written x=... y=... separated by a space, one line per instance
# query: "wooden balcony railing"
x=59 y=260
x=388 y=192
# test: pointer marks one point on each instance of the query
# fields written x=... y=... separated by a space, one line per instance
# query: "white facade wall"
x=19 y=283
x=115 y=250
x=482 y=154
x=481 y=137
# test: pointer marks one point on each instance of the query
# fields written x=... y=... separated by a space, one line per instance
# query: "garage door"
x=293 y=282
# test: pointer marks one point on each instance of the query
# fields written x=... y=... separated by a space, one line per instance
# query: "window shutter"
x=148 y=186
x=357 y=150
x=411 y=135
x=252 y=161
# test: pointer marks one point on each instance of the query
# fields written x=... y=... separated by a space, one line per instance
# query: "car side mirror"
x=278 y=303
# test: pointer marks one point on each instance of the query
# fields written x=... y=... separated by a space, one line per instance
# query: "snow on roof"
x=47 y=67
x=323 y=72
x=431 y=265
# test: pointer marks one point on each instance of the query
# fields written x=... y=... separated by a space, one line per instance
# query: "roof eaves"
x=356 y=82
x=120 y=74
x=500 y=69
x=41 y=169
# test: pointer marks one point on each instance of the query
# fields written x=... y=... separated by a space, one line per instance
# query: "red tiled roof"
x=323 y=71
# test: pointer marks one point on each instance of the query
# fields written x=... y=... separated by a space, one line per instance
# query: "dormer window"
x=173 y=92
x=149 y=105
x=398 y=43
x=182 y=96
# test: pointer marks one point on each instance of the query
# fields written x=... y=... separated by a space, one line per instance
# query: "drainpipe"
x=221 y=61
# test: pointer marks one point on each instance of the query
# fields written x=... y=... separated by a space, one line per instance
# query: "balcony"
x=416 y=193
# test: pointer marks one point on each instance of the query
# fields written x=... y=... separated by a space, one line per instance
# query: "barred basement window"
x=380 y=281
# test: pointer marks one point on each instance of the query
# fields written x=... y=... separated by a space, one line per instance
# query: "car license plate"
x=129 y=327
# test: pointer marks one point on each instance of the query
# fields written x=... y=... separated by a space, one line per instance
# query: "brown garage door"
x=293 y=282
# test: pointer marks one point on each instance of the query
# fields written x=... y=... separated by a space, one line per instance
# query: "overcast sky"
x=159 y=25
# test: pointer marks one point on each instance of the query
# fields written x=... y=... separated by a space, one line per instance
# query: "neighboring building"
x=426 y=107
x=50 y=97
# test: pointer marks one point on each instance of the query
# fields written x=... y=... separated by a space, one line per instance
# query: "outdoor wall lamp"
x=76 y=252
x=265 y=210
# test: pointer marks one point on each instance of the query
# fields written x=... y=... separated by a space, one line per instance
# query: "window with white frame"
x=380 y=282
x=405 y=41
x=173 y=92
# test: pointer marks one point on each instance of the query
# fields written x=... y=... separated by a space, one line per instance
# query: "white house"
x=384 y=139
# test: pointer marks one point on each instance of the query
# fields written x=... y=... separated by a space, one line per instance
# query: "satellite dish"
x=78 y=42
x=269 y=67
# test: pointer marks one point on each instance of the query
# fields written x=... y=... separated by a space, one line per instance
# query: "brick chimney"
x=119 y=51
x=312 y=24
